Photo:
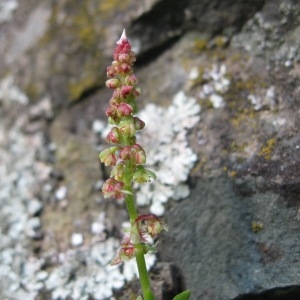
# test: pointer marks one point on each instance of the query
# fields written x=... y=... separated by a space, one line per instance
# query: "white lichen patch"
x=7 y=8
x=168 y=153
x=98 y=279
x=216 y=84
x=10 y=92
x=261 y=35
x=266 y=100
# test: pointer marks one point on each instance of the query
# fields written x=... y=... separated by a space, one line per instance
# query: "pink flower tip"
x=123 y=37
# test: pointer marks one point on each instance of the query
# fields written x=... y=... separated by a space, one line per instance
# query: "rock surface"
x=235 y=233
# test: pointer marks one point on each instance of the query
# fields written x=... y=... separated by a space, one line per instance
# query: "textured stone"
x=235 y=235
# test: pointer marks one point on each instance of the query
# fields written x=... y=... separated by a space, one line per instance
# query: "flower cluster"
x=144 y=230
x=126 y=157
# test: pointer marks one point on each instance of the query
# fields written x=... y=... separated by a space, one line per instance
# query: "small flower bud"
x=128 y=130
x=138 y=123
x=132 y=57
x=119 y=171
x=113 y=188
x=151 y=224
x=139 y=154
x=125 y=153
x=110 y=71
x=117 y=94
x=125 y=68
x=124 y=109
x=135 y=154
x=137 y=92
x=123 y=57
x=111 y=111
x=112 y=83
x=108 y=156
x=118 y=69
x=126 y=90
x=131 y=80
x=113 y=136
x=126 y=252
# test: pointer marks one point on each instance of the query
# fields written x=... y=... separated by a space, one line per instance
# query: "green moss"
x=77 y=29
x=107 y=7
x=200 y=45
x=220 y=41
x=79 y=86
x=31 y=91
x=241 y=110
x=257 y=226
x=267 y=149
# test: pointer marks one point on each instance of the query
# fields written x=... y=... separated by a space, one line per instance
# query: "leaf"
x=183 y=296
x=139 y=298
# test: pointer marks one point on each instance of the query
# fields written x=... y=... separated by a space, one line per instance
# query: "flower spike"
x=127 y=159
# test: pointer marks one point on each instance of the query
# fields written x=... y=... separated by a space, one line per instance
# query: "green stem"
x=139 y=252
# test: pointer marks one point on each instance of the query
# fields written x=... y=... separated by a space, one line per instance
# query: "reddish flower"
x=110 y=71
x=123 y=57
x=108 y=156
x=151 y=224
x=125 y=67
x=113 y=136
x=113 y=189
x=137 y=92
x=136 y=154
x=138 y=123
x=131 y=80
x=124 y=109
x=112 y=83
x=111 y=111
x=126 y=90
x=117 y=94
x=126 y=252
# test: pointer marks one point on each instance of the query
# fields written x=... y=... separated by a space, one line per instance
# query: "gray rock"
x=34 y=207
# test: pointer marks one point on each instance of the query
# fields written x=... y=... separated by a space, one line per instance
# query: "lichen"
x=167 y=150
x=216 y=84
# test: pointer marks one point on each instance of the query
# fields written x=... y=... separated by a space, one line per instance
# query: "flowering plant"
x=127 y=159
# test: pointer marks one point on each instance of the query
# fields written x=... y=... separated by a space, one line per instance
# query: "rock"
x=34 y=207
x=97 y=228
x=61 y=193
x=220 y=83
x=76 y=239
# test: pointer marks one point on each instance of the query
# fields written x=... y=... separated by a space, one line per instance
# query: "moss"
x=257 y=226
x=108 y=7
x=77 y=30
x=241 y=110
x=232 y=174
x=200 y=45
x=31 y=91
x=220 y=42
x=77 y=87
x=267 y=149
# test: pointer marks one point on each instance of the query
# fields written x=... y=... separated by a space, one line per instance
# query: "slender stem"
x=139 y=252
x=130 y=205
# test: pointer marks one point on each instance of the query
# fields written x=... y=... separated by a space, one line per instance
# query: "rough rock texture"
x=236 y=235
